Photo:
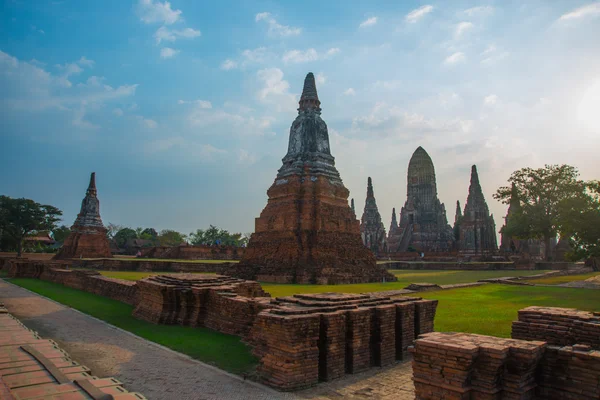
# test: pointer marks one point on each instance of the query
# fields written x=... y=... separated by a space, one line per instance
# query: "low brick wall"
x=450 y=266
x=305 y=339
x=467 y=366
x=152 y=266
x=195 y=252
x=558 y=326
x=88 y=281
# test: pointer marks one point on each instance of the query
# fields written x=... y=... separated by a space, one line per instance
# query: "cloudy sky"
x=183 y=108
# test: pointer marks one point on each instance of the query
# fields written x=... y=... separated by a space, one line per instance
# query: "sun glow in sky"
x=183 y=108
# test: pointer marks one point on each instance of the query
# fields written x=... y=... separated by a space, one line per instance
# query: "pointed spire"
x=91 y=190
x=458 y=212
x=309 y=98
x=352 y=206
x=474 y=175
x=370 y=188
x=394 y=223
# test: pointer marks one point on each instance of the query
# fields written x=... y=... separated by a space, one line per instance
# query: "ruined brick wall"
x=195 y=252
x=558 y=326
x=453 y=266
x=150 y=266
x=88 y=281
x=305 y=339
x=548 y=365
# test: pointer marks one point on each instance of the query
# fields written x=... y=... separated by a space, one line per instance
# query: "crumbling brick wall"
x=548 y=365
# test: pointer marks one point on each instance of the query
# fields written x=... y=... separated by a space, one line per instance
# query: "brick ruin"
x=554 y=354
x=372 y=230
x=307 y=233
x=300 y=340
x=475 y=227
x=88 y=235
x=423 y=225
x=201 y=252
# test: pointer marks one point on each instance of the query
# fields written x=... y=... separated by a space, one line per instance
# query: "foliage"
x=581 y=223
x=61 y=233
x=214 y=235
x=168 y=237
x=20 y=218
x=542 y=195
x=123 y=235
x=112 y=229
x=225 y=351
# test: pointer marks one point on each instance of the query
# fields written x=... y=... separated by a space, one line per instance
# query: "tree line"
x=550 y=202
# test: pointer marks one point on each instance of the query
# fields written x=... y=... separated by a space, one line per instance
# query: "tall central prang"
x=308 y=233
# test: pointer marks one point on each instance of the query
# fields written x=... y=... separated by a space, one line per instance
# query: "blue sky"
x=183 y=108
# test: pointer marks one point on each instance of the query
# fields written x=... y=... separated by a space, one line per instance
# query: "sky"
x=183 y=108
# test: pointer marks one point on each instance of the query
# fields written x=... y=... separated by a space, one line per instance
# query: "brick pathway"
x=162 y=374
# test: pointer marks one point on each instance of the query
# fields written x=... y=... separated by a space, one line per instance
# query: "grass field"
x=404 y=279
x=490 y=309
x=557 y=280
x=224 y=351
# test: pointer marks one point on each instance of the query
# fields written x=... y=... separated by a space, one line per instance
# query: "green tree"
x=112 y=229
x=149 y=234
x=123 y=235
x=168 y=237
x=581 y=224
x=544 y=194
x=61 y=233
x=22 y=217
x=197 y=238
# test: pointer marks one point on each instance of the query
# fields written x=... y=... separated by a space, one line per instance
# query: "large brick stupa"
x=307 y=233
x=88 y=235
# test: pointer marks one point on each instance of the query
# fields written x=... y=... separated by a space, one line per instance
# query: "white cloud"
x=160 y=145
x=79 y=121
x=245 y=157
x=332 y=51
x=198 y=103
x=461 y=28
x=368 y=22
x=256 y=55
x=151 y=11
x=228 y=64
x=590 y=10
x=118 y=112
x=417 y=14
x=478 y=11
x=163 y=33
x=167 y=52
x=298 y=56
x=320 y=78
x=455 y=58
x=492 y=55
x=349 y=92
x=490 y=100
x=387 y=85
x=85 y=62
x=148 y=123
x=276 y=29
x=275 y=89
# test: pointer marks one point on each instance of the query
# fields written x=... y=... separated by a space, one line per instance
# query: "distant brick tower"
x=88 y=234
x=308 y=233
x=372 y=230
x=477 y=226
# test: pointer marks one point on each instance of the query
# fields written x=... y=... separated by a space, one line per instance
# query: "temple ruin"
x=476 y=227
x=372 y=230
x=308 y=233
x=88 y=235
x=423 y=225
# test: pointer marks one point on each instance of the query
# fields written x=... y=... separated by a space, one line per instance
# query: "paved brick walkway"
x=162 y=374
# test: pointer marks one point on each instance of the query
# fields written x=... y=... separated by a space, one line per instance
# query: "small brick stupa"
x=88 y=235
x=307 y=233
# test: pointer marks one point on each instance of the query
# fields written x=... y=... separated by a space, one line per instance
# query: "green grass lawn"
x=490 y=309
x=224 y=351
x=404 y=279
x=137 y=275
x=557 y=280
